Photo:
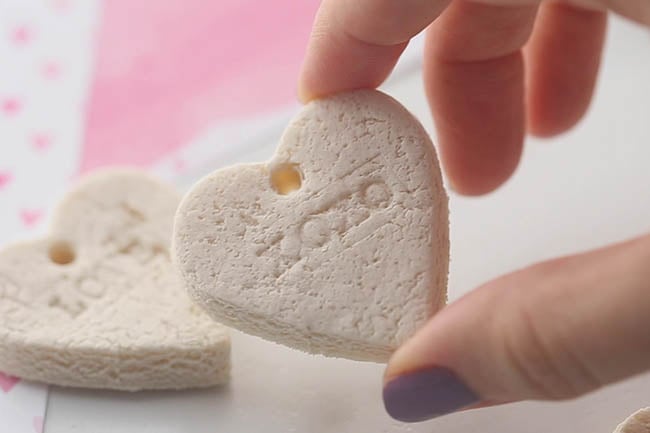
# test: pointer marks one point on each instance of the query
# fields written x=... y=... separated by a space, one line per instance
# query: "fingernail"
x=426 y=394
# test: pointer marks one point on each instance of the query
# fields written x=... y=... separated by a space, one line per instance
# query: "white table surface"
x=582 y=190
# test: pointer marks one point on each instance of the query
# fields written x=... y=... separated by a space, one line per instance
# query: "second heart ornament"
x=97 y=302
x=339 y=245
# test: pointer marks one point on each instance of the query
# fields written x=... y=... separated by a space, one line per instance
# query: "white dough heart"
x=98 y=304
x=349 y=264
x=638 y=422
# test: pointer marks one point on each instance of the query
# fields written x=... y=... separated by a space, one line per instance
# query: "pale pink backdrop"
x=166 y=70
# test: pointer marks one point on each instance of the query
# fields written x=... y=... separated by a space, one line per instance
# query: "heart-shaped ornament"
x=338 y=245
x=98 y=304
x=638 y=422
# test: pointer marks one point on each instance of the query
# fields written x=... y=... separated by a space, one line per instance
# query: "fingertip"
x=399 y=363
x=306 y=90
x=475 y=165
x=563 y=59
x=549 y=125
x=551 y=115
x=425 y=394
x=478 y=109
x=470 y=183
x=357 y=46
x=304 y=93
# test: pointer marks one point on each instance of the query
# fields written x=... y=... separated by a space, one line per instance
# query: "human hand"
x=474 y=70
x=552 y=331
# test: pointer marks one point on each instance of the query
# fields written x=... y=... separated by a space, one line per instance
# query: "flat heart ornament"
x=98 y=304
x=638 y=422
x=337 y=246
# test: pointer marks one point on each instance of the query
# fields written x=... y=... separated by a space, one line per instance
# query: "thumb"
x=550 y=332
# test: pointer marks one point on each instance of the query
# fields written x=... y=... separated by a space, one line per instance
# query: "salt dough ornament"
x=639 y=422
x=337 y=246
x=98 y=304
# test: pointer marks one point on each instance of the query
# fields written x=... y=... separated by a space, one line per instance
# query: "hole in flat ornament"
x=61 y=253
x=286 y=178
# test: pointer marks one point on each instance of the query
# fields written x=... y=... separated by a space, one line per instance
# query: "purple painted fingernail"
x=426 y=394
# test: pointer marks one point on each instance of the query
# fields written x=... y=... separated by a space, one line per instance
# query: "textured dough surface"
x=638 y=422
x=350 y=264
x=117 y=316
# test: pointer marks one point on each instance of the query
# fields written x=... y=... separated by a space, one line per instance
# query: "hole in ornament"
x=61 y=253
x=286 y=178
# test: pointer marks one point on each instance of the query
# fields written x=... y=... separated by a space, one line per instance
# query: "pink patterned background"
x=167 y=70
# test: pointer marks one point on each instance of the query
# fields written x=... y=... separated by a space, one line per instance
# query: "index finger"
x=356 y=44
